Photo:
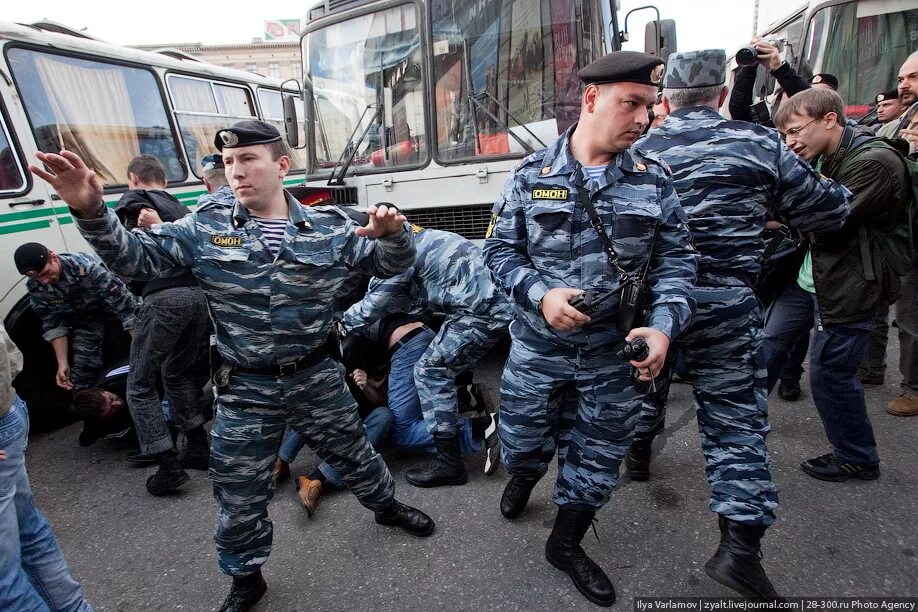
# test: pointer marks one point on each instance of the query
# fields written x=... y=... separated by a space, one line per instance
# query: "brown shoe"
x=870 y=378
x=309 y=491
x=281 y=471
x=905 y=405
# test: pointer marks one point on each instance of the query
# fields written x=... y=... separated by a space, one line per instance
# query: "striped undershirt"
x=273 y=231
x=594 y=172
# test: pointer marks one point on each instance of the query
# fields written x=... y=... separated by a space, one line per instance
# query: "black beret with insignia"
x=31 y=257
x=623 y=67
x=826 y=79
x=892 y=94
x=246 y=133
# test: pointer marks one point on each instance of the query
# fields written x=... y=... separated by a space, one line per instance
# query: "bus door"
x=27 y=211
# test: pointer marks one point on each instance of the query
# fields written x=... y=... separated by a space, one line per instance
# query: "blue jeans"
x=410 y=430
x=33 y=572
x=377 y=425
x=836 y=352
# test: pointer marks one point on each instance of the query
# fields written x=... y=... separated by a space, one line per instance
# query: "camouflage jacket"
x=541 y=238
x=86 y=290
x=265 y=309
x=448 y=275
x=728 y=175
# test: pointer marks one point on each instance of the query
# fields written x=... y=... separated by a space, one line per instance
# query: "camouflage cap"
x=892 y=94
x=707 y=68
x=212 y=162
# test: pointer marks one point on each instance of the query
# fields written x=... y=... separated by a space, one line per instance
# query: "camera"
x=634 y=350
x=748 y=56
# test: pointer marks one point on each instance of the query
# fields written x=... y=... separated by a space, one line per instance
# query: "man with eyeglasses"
x=846 y=279
x=73 y=294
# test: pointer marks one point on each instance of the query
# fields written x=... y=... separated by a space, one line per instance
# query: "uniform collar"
x=296 y=214
x=695 y=112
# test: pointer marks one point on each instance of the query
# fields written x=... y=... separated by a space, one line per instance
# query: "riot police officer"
x=545 y=248
x=269 y=267
x=728 y=175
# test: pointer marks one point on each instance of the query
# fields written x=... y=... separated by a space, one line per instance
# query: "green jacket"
x=854 y=280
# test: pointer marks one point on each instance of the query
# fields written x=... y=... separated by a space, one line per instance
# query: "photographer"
x=768 y=54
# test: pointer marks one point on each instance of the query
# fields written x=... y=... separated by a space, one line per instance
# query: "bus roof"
x=66 y=39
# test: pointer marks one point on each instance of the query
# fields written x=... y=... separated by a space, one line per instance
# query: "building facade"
x=275 y=59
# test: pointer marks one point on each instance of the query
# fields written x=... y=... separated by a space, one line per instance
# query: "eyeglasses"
x=797 y=130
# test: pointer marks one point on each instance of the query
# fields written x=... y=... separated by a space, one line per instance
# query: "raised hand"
x=77 y=185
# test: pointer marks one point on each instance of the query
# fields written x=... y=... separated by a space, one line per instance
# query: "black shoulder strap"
x=597 y=225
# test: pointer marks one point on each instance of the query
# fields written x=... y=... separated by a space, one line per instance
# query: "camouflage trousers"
x=725 y=364
x=86 y=339
x=582 y=403
x=250 y=415
x=461 y=342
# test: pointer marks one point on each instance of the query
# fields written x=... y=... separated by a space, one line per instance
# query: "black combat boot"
x=736 y=564
x=245 y=593
x=410 y=519
x=169 y=477
x=516 y=495
x=563 y=550
x=637 y=461
x=196 y=455
x=447 y=469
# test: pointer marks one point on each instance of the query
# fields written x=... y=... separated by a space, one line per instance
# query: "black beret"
x=892 y=94
x=623 y=67
x=246 y=133
x=828 y=79
x=212 y=162
x=31 y=257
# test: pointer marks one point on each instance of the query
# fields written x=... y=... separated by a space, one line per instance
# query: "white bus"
x=429 y=104
x=62 y=89
x=862 y=42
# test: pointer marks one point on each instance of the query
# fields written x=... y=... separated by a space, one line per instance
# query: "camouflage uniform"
x=728 y=174
x=541 y=239
x=77 y=306
x=449 y=276
x=266 y=311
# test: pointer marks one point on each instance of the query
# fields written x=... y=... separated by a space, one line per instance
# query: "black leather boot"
x=169 y=477
x=410 y=519
x=447 y=469
x=245 y=593
x=637 y=461
x=196 y=455
x=516 y=495
x=563 y=550
x=736 y=563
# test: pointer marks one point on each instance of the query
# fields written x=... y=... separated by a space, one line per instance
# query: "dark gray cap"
x=707 y=68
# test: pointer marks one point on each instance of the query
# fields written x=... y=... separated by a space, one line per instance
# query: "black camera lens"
x=747 y=56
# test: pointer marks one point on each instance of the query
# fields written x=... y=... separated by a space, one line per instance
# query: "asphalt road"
x=132 y=551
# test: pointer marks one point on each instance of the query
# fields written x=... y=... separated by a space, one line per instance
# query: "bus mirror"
x=660 y=38
x=290 y=122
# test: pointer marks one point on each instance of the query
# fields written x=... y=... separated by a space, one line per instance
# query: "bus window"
x=503 y=64
x=105 y=113
x=272 y=111
x=861 y=45
x=367 y=74
x=202 y=107
x=12 y=174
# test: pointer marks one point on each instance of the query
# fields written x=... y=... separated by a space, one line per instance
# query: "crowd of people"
x=622 y=255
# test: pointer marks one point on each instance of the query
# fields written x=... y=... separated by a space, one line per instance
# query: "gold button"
x=546 y=169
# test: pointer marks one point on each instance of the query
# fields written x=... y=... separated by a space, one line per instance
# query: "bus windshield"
x=505 y=71
x=367 y=76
